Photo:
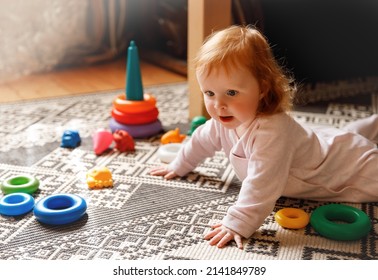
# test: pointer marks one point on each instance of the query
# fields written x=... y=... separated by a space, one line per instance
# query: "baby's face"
x=231 y=99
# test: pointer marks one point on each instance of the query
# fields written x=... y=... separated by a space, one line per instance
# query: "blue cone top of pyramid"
x=134 y=87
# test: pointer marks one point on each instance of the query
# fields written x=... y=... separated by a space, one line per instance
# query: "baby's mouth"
x=226 y=118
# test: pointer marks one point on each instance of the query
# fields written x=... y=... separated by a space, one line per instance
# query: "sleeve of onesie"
x=268 y=169
x=204 y=142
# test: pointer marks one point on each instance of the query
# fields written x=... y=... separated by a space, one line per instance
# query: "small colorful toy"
x=135 y=111
x=168 y=152
x=99 y=178
x=60 y=209
x=16 y=204
x=292 y=218
x=172 y=136
x=124 y=141
x=196 y=122
x=20 y=183
x=102 y=139
x=340 y=222
x=70 y=139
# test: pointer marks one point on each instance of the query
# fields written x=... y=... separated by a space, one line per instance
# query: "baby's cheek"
x=209 y=105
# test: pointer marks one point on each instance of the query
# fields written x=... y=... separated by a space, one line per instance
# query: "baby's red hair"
x=245 y=46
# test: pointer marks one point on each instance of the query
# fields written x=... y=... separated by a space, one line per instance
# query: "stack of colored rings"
x=18 y=190
x=139 y=118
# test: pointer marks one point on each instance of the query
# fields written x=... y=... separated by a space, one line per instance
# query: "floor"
x=106 y=76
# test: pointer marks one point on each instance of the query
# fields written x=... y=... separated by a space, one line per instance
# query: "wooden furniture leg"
x=204 y=17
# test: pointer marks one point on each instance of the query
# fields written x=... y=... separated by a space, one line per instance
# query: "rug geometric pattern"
x=143 y=216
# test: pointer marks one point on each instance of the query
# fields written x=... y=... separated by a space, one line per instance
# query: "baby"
x=248 y=97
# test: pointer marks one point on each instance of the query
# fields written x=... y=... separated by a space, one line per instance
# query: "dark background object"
x=324 y=40
x=319 y=41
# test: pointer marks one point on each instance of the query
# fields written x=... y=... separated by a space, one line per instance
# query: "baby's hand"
x=163 y=171
x=221 y=235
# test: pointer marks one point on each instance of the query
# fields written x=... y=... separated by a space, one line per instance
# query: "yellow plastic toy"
x=172 y=136
x=292 y=218
x=99 y=178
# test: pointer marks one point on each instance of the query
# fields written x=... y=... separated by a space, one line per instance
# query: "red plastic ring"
x=135 y=118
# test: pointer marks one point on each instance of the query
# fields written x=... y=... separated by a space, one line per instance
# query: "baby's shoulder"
x=281 y=121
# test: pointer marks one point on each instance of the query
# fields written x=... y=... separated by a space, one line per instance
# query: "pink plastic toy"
x=124 y=141
x=102 y=139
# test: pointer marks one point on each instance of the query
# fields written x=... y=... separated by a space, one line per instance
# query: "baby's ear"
x=263 y=89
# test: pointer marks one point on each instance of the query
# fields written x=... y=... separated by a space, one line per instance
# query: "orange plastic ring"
x=292 y=218
x=135 y=118
x=131 y=106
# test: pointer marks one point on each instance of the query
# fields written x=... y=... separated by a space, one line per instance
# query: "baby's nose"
x=219 y=104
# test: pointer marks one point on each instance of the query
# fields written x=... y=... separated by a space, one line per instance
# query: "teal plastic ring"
x=16 y=204
x=340 y=222
x=59 y=209
x=21 y=183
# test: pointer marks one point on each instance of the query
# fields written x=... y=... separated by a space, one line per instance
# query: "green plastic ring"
x=340 y=222
x=24 y=184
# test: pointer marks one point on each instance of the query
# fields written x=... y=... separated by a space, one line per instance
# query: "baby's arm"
x=203 y=143
x=367 y=127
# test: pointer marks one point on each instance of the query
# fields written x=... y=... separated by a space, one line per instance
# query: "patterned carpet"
x=144 y=217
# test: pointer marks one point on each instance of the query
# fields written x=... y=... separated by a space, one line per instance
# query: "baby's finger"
x=158 y=171
x=223 y=242
x=170 y=175
x=211 y=234
x=216 y=225
x=217 y=238
x=238 y=241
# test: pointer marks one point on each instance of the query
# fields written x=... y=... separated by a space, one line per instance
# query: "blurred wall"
x=324 y=40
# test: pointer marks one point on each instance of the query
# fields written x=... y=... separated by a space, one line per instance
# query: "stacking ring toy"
x=15 y=204
x=132 y=106
x=340 y=222
x=59 y=209
x=135 y=118
x=137 y=131
x=25 y=184
x=292 y=218
x=168 y=152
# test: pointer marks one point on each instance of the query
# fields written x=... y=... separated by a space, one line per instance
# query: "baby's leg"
x=367 y=127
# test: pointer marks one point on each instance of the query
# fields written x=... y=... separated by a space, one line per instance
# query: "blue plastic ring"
x=59 y=209
x=137 y=131
x=16 y=204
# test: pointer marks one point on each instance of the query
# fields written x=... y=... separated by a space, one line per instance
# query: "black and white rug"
x=144 y=217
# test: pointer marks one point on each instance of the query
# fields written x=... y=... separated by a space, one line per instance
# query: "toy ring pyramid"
x=135 y=111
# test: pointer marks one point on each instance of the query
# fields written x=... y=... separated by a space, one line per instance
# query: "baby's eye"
x=232 y=92
x=209 y=93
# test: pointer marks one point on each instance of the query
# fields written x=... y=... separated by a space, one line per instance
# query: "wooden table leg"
x=204 y=17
